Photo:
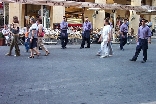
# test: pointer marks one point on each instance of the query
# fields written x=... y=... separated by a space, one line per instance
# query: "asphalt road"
x=78 y=76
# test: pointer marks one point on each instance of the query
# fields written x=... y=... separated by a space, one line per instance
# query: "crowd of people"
x=33 y=37
x=35 y=33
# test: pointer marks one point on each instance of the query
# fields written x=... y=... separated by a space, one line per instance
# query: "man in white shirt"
x=6 y=33
x=105 y=38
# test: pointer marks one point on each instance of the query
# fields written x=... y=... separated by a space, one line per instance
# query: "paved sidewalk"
x=78 y=76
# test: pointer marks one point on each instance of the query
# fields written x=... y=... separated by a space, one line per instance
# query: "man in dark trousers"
x=87 y=27
x=64 y=35
x=123 y=34
x=143 y=38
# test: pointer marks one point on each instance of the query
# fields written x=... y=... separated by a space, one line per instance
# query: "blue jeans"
x=27 y=42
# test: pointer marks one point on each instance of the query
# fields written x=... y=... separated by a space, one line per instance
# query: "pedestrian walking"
x=123 y=34
x=15 y=33
x=40 y=37
x=33 y=38
x=106 y=38
x=87 y=27
x=27 y=40
x=110 y=49
x=64 y=34
x=143 y=38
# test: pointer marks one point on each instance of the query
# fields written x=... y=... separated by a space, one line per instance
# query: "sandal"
x=47 y=53
x=7 y=54
x=31 y=57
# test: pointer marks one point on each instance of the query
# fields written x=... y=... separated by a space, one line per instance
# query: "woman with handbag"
x=33 y=38
x=40 y=37
x=15 y=32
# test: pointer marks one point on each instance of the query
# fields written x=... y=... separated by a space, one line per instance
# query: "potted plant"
x=2 y=39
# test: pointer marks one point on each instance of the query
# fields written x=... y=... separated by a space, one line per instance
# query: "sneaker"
x=81 y=47
x=7 y=54
x=132 y=60
x=16 y=55
x=98 y=54
x=104 y=56
x=110 y=55
x=122 y=49
x=143 y=61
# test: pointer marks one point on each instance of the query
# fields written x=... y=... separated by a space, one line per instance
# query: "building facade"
x=53 y=14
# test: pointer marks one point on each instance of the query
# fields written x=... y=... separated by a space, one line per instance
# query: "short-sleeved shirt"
x=144 y=32
x=33 y=27
x=87 y=26
x=64 y=25
x=124 y=28
x=106 y=31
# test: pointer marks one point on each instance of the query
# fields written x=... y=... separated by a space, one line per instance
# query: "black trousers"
x=64 y=38
x=64 y=41
x=123 y=40
x=83 y=42
x=142 y=45
x=86 y=37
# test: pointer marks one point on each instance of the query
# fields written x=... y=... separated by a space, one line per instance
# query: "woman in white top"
x=105 y=39
x=33 y=38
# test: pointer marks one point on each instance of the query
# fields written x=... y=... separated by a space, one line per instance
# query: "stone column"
x=56 y=14
x=99 y=20
x=134 y=18
x=114 y=26
x=16 y=9
x=153 y=17
x=89 y=13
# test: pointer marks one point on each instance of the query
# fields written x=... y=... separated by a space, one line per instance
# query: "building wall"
x=16 y=9
x=134 y=18
x=57 y=13
x=153 y=17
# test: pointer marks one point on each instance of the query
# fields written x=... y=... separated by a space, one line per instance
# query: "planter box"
x=2 y=41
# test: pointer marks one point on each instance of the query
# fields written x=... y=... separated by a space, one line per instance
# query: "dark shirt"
x=15 y=31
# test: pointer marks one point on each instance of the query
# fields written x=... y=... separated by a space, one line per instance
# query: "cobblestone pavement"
x=78 y=76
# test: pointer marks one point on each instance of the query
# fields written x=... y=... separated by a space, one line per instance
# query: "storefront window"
x=4 y=14
x=35 y=12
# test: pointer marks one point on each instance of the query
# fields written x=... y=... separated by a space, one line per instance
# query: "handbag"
x=41 y=34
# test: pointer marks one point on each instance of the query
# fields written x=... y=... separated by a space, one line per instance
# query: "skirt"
x=33 y=44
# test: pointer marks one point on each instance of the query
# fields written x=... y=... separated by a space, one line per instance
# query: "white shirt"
x=5 y=31
x=33 y=26
x=106 y=31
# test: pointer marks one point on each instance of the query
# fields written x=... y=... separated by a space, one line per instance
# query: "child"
x=27 y=40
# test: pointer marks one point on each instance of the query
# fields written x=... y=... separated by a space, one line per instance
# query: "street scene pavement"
x=78 y=76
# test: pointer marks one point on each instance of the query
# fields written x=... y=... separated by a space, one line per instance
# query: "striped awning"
x=83 y=4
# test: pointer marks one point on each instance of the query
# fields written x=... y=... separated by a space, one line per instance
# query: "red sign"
x=1 y=5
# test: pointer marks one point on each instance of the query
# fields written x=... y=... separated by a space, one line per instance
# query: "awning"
x=143 y=8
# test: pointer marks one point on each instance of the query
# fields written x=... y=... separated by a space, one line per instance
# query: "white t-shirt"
x=40 y=26
x=5 y=31
x=33 y=26
x=106 y=31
